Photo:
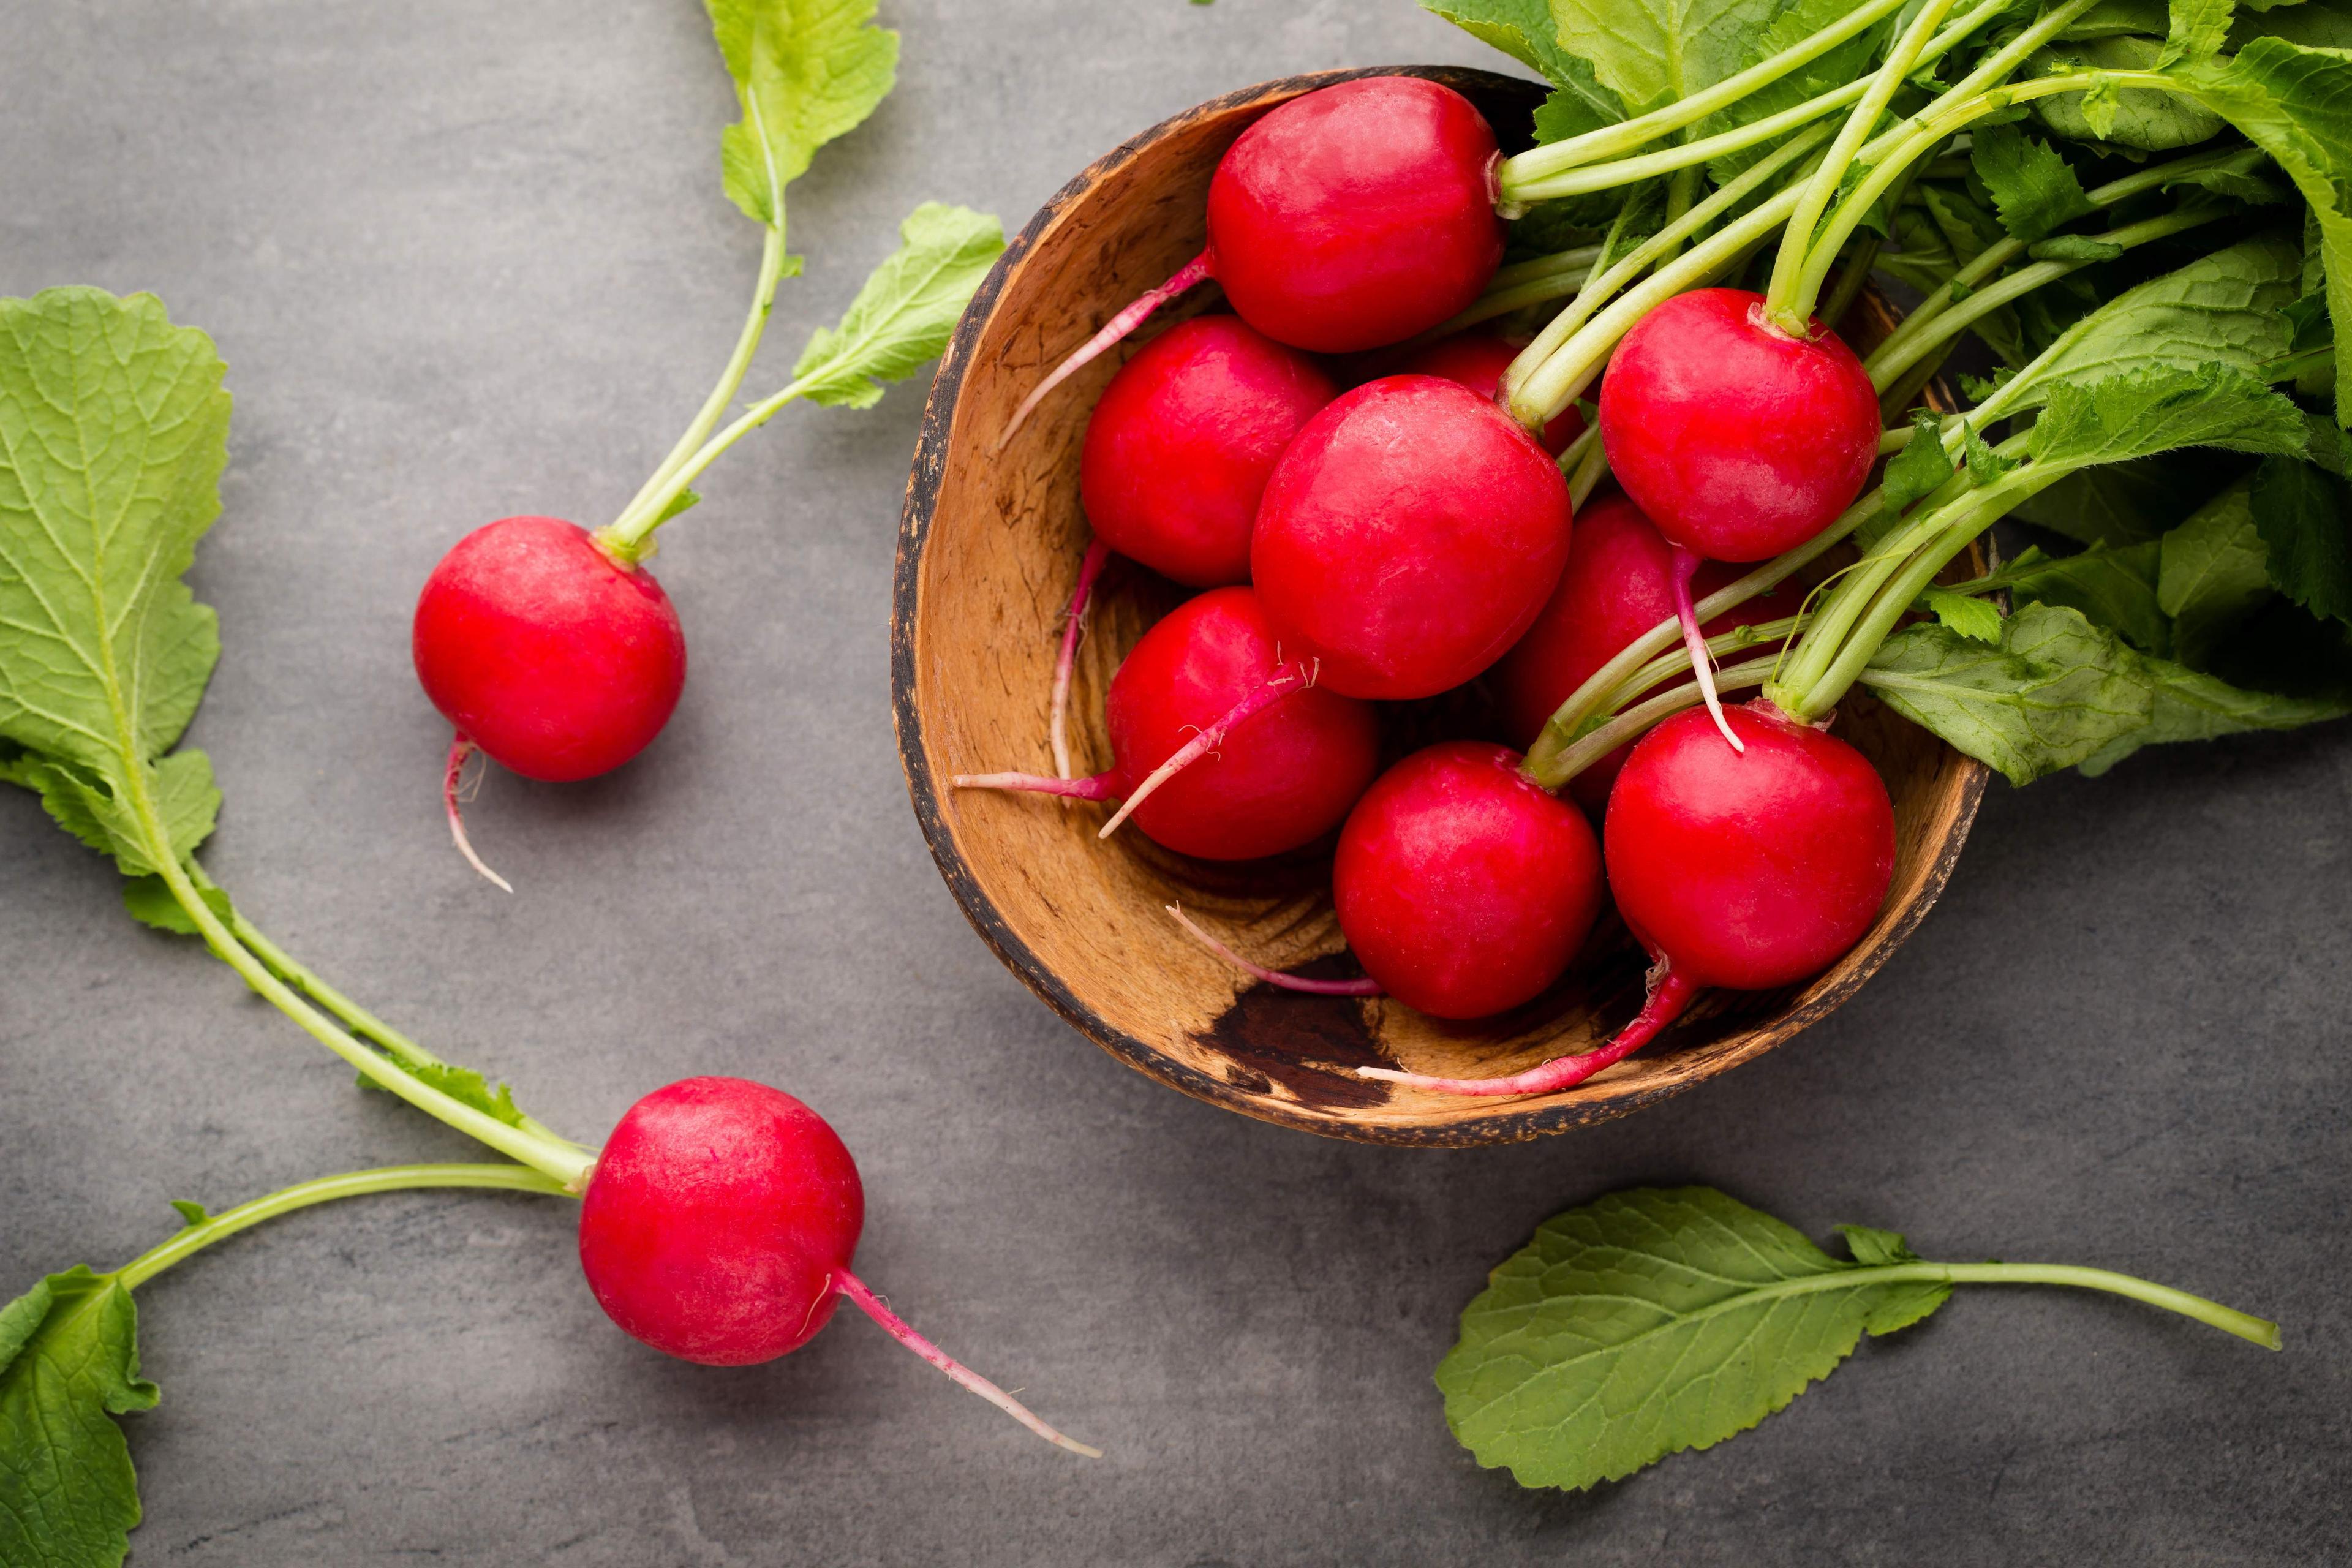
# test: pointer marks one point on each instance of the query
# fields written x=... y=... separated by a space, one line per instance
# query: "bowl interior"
x=988 y=556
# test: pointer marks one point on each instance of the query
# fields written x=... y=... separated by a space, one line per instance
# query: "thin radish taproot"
x=719 y=1225
x=1408 y=537
x=1463 y=888
x=1273 y=977
x=1222 y=747
x=1348 y=218
x=1736 y=870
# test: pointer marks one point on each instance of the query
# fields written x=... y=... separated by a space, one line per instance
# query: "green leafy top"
x=805 y=71
x=2034 y=190
x=908 y=307
x=113 y=434
x=1651 y=52
x=69 y=1362
x=2137 y=416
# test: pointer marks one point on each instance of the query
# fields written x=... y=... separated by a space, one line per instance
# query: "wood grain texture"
x=988 y=551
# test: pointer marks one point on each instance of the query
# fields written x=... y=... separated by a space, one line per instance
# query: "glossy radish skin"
x=1281 y=779
x=1748 y=869
x=545 y=653
x=1358 y=214
x=1180 y=447
x=1737 y=440
x=1478 y=360
x=1407 y=538
x=718 y=1213
x=1616 y=586
x=1461 y=886
x=718 y=1226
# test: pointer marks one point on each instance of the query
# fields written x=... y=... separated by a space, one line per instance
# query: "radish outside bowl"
x=988 y=552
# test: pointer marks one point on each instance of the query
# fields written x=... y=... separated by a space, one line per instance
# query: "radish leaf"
x=69 y=1365
x=1523 y=29
x=1976 y=619
x=2059 y=692
x=1651 y=1321
x=2296 y=104
x=2213 y=573
x=805 y=71
x=2196 y=30
x=113 y=434
x=2140 y=414
x=2300 y=511
x=1653 y=52
x=904 y=315
x=2033 y=189
x=2114 y=585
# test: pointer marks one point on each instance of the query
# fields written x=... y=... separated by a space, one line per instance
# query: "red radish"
x=545 y=653
x=1463 y=888
x=1349 y=217
x=719 y=1225
x=1269 y=761
x=1478 y=360
x=1178 y=451
x=1740 y=440
x=1617 y=586
x=1408 y=537
x=1741 y=870
x=1737 y=439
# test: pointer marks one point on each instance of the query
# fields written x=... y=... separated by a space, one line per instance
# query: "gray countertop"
x=470 y=258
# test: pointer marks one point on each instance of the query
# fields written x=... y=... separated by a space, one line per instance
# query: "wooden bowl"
x=988 y=552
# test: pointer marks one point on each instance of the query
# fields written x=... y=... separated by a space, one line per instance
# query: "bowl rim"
x=1507 y=1120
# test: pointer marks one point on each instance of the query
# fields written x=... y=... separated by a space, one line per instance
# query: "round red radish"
x=1280 y=779
x=1748 y=870
x=718 y=1214
x=1357 y=214
x=1178 y=451
x=718 y=1224
x=1737 y=439
x=544 y=652
x=1407 y=538
x=1220 y=743
x=1478 y=360
x=1617 y=586
x=1463 y=888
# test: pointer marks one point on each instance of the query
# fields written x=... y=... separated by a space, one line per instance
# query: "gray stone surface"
x=467 y=259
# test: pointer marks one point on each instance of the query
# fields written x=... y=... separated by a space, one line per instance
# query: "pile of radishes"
x=1393 y=539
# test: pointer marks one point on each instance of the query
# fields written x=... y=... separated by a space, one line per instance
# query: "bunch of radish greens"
x=1593 y=426
x=718 y=1219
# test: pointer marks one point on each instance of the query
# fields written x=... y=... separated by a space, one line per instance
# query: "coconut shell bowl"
x=988 y=555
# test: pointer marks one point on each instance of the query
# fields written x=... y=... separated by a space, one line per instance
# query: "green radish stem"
x=1552 y=769
x=217 y=1227
x=1997 y=256
x=1517 y=286
x=1525 y=186
x=1932 y=131
x=1611 y=139
x=1951 y=324
x=1790 y=298
x=1545 y=759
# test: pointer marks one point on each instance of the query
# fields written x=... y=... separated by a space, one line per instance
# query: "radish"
x=1348 y=217
x=1222 y=749
x=1408 y=537
x=1738 y=438
x=1478 y=360
x=1178 y=451
x=1462 y=886
x=1619 y=582
x=719 y=1225
x=546 y=654
x=1742 y=870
